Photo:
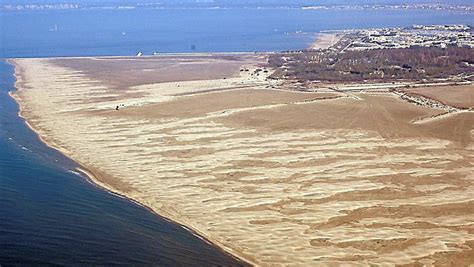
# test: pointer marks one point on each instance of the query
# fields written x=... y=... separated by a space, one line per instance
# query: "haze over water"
x=53 y=216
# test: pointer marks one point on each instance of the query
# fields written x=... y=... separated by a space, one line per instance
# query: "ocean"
x=51 y=215
x=126 y=32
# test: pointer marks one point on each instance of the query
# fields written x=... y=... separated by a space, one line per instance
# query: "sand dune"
x=273 y=176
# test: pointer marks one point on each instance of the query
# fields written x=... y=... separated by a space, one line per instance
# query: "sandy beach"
x=325 y=40
x=271 y=175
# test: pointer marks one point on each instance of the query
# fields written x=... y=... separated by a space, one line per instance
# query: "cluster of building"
x=417 y=36
x=39 y=6
x=423 y=6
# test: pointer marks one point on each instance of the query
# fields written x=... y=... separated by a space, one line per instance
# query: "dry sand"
x=272 y=176
x=325 y=40
x=460 y=96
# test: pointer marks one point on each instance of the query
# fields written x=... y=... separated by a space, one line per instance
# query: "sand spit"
x=272 y=176
x=325 y=41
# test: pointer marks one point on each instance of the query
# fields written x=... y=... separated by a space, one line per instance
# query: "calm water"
x=49 y=215
x=125 y=32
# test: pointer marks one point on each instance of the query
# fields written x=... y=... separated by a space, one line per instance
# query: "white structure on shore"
x=417 y=36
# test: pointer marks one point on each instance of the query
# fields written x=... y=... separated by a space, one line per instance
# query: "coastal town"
x=383 y=55
x=416 y=36
x=392 y=61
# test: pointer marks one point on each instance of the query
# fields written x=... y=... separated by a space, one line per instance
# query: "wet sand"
x=275 y=177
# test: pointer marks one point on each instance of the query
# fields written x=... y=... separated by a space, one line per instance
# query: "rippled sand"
x=273 y=176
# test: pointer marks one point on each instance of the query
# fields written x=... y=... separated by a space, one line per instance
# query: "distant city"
x=384 y=54
x=12 y=6
x=417 y=36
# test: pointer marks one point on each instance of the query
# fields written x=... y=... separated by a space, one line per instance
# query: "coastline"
x=95 y=179
x=325 y=40
x=164 y=54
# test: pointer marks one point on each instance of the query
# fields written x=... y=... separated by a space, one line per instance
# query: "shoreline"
x=164 y=54
x=325 y=41
x=94 y=179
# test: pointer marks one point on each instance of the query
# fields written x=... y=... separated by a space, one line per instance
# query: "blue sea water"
x=125 y=32
x=52 y=216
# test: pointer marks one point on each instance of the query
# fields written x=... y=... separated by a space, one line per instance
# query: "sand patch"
x=461 y=96
x=325 y=41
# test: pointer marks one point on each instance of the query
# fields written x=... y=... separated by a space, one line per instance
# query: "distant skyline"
x=241 y=2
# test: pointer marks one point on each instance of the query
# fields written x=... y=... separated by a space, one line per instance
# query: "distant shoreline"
x=460 y=7
x=325 y=40
x=164 y=54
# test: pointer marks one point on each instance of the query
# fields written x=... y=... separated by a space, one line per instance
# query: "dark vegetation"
x=375 y=65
